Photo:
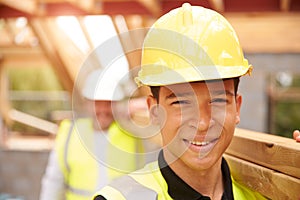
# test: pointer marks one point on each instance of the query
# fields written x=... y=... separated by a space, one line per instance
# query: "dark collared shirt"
x=179 y=190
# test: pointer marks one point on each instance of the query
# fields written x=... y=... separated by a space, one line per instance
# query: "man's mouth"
x=202 y=147
x=199 y=143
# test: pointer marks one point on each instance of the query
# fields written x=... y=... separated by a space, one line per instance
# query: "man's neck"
x=98 y=129
x=208 y=182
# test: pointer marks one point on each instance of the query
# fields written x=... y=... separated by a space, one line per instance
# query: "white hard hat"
x=100 y=85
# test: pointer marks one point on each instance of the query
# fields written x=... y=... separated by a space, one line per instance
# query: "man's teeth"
x=199 y=143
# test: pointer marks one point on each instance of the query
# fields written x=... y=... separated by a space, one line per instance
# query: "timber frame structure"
x=253 y=22
x=266 y=163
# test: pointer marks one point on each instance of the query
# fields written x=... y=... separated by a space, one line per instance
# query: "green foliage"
x=35 y=79
x=287 y=115
x=40 y=78
x=287 y=118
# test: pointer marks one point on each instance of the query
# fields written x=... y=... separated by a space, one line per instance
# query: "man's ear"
x=153 y=108
x=238 y=108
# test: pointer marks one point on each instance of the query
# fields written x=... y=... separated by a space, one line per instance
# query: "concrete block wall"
x=254 y=112
x=21 y=172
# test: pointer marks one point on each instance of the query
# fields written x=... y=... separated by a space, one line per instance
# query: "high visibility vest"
x=75 y=145
x=149 y=184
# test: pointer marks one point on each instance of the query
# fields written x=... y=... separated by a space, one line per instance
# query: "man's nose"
x=203 y=120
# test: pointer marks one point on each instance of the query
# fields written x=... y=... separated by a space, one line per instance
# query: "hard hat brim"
x=192 y=74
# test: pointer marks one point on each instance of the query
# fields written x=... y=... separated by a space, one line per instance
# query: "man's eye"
x=180 y=102
x=219 y=100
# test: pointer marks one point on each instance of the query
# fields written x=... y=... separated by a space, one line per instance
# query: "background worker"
x=89 y=152
x=192 y=62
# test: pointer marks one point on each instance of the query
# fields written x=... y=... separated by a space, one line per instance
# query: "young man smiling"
x=192 y=62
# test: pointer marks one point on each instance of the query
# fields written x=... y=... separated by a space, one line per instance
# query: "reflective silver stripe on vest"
x=79 y=191
x=67 y=146
x=132 y=190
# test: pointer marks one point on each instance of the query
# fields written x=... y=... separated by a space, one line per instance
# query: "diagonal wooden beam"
x=33 y=121
x=26 y=6
x=131 y=40
x=26 y=56
x=89 y=6
x=285 y=5
x=42 y=31
x=217 y=5
x=85 y=32
x=154 y=6
x=5 y=105
x=9 y=29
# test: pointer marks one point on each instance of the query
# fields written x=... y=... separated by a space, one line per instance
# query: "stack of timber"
x=266 y=163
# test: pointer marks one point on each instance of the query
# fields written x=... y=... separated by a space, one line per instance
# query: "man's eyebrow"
x=179 y=94
x=185 y=94
x=222 y=92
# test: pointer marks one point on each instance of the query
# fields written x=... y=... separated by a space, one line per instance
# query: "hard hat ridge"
x=187 y=14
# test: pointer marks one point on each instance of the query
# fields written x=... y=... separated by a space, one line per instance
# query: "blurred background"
x=43 y=44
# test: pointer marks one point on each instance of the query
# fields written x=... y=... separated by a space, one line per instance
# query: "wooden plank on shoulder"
x=274 y=152
x=268 y=182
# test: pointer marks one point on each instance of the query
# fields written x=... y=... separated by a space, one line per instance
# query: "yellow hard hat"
x=188 y=44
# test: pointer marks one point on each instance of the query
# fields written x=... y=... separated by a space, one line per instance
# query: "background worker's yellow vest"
x=75 y=145
x=149 y=184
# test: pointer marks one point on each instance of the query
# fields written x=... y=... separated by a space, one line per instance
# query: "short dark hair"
x=155 y=89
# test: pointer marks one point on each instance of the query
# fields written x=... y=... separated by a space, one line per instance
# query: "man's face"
x=103 y=113
x=197 y=121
